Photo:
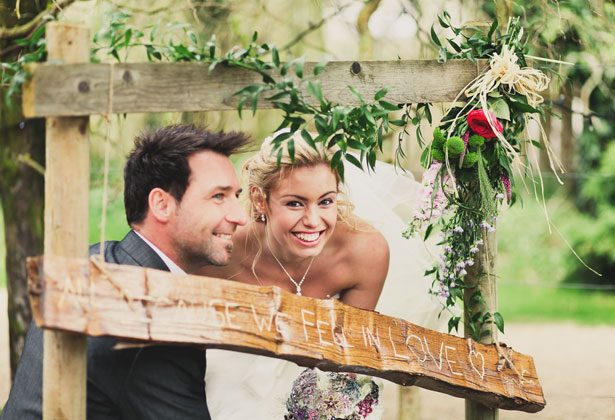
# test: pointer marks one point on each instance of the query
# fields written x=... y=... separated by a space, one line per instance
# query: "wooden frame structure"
x=66 y=94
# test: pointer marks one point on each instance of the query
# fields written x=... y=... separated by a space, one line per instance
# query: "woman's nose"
x=310 y=218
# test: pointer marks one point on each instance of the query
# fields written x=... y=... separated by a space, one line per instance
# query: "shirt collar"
x=173 y=268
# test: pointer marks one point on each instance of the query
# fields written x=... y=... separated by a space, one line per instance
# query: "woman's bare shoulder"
x=365 y=244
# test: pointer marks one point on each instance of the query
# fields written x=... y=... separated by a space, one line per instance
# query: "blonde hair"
x=262 y=171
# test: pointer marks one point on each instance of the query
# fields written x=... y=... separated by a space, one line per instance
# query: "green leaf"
x=336 y=159
x=275 y=56
x=314 y=89
x=356 y=93
x=254 y=36
x=318 y=68
x=494 y=25
x=381 y=94
x=308 y=139
x=428 y=232
x=398 y=123
x=152 y=34
x=291 y=150
x=242 y=101
x=435 y=38
x=499 y=321
x=352 y=159
x=500 y=109
x=299 y=68
x=388 y=106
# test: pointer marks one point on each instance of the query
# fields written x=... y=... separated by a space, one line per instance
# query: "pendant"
x=298 y=290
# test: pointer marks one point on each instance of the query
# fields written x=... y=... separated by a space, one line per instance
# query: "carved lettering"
x=449 y=361
x=306 y=323
x=412 y=349
x=401 y=356
x=230 y=316
x=323 y=342
x=439 y=365
x=262 y=322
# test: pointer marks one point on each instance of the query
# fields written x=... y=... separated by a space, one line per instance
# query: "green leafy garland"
x=469 y=161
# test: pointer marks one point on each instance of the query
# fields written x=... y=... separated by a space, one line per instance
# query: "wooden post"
x=67 y=179
x=482 y=275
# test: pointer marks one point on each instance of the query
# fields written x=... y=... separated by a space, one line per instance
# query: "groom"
x=181 y=197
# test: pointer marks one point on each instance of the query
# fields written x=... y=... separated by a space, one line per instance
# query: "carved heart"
x=475 y=355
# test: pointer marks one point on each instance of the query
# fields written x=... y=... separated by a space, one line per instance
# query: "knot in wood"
x=356 y=67
x=84 y=87
x=127 y=76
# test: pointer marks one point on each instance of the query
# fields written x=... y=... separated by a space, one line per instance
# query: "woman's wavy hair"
x=263 y=172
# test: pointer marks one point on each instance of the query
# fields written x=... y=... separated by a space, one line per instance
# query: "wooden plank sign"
x=137 y=303
x=83 y=89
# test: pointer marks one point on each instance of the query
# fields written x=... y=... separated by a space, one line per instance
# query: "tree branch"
x=22 y=31
x=311 y=28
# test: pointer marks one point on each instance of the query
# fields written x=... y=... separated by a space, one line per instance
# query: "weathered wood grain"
x=67 y=186
x=145 y=304
x=83 y=89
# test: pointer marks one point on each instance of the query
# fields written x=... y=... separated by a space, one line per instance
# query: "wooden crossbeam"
x=83 y=89
x=138 y=303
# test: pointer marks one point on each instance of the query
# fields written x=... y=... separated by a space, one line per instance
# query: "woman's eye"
x=293 y=204
x=218 y=196
x=326 y=202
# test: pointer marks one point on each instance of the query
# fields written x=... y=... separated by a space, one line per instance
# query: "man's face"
x=208 y=214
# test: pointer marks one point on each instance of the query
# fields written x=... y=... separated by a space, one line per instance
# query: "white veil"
x=385 y=198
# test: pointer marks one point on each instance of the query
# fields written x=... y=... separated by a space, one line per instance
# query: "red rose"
x=479 y=124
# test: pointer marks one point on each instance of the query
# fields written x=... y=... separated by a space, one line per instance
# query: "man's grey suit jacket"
x=156 y=382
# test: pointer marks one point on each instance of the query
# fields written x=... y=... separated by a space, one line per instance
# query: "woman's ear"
x=258 y=199
x=161 y=205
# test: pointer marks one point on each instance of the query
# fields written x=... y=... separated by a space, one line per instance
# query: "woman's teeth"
x=308 y=237
x=223 y=235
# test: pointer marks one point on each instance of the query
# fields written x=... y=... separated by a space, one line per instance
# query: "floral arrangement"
x=333 y=396
x=469 y=160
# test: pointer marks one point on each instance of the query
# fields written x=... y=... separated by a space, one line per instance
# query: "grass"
x=533 y=303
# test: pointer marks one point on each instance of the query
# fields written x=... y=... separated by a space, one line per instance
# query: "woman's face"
x=302 y=212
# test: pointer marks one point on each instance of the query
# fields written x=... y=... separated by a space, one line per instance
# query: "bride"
x=304 y=237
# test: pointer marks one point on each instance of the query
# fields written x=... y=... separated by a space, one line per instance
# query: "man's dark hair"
x=159 y=159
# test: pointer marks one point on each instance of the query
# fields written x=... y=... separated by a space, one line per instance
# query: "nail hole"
x=356 y=68
x=84 y=87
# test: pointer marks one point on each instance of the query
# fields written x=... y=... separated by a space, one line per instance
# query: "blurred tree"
x=581 y=32
x=21 y=189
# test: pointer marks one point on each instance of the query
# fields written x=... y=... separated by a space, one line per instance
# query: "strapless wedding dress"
x=243 y=386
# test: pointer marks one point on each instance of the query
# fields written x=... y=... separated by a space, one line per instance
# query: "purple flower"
x=453 y=284
x=491 y=229
x=473 y=250
x=460 y=265
x=485 y=225
x=448 y=249
x=480 y=242
x=469 y=263
x=463 y=272
x=500 y=196
x=458 y=229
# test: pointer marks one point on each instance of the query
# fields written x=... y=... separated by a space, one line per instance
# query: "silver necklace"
x=297 y=285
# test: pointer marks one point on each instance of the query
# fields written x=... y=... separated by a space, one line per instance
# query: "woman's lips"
x=308 y=238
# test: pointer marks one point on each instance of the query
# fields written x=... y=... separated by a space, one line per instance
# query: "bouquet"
x=333 y=396
x=470 y=159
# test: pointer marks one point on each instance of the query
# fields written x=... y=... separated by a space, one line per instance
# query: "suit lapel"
x=135 y=248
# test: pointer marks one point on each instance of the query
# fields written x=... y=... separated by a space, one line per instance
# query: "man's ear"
x=161 y=205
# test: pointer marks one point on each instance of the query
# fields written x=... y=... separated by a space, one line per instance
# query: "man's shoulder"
x=132 y=250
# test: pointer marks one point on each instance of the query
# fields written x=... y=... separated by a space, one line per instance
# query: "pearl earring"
x=262 y=218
